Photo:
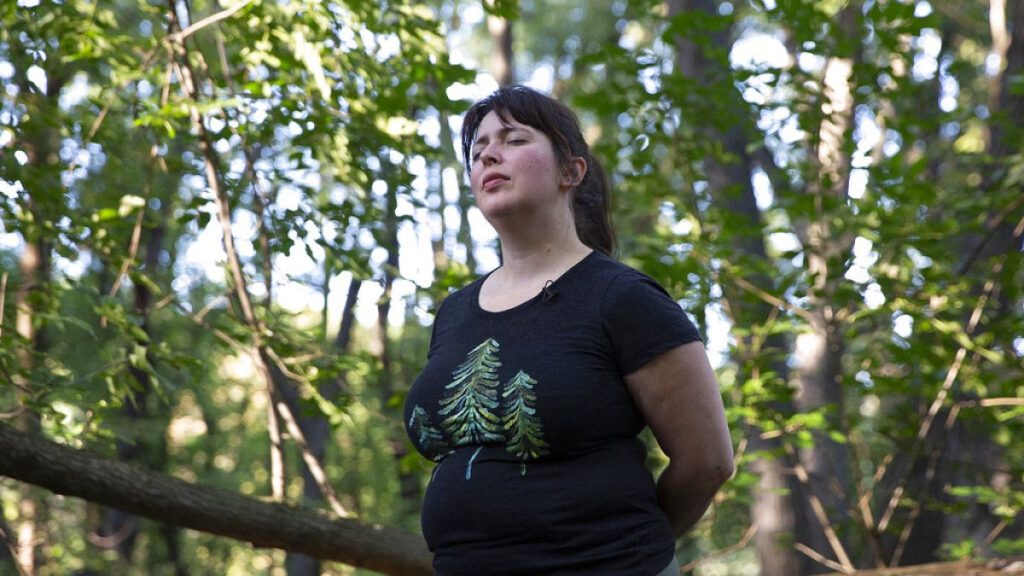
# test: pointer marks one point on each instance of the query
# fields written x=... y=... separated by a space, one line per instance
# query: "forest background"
x=226 y=226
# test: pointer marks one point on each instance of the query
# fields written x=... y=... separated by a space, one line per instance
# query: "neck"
x=541 y=258
x=538 y=244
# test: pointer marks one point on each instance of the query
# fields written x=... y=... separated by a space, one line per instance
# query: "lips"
x=493 y=179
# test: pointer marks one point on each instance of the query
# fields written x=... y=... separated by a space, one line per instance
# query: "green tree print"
x=430 y=439
x=470 y=410
x=523 y=431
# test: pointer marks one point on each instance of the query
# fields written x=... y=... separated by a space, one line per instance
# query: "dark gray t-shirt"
x=540 y=470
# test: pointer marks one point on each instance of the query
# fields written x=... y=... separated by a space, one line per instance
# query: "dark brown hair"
x=591 y=197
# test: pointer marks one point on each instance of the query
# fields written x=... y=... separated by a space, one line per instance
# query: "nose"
x=489 y=155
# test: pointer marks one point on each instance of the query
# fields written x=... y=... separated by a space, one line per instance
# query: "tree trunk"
x=43 y=202
x=502 y=57
x=118 y=529
x=409 y=484
x=773 y=500
x=983 y=254
x=819 y=351
x=8 y=545
x=35 y=274
x=463 y=201
x=35 y=460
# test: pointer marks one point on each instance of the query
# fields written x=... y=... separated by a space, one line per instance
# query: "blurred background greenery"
x=213 y=208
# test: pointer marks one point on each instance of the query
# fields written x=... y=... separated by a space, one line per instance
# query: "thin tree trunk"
x=316 y=428
x=35 y=272
x=502 y=64
x=464 y=201
x=8 y=545
x=435 y=187
x=266 y=361
x=240 y=290
x=409 y=485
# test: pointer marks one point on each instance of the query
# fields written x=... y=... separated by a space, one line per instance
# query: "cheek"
x=540 y=165
x=474 y=180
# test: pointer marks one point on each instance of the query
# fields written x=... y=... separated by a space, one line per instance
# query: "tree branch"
x=844 y=563
x=133 y=488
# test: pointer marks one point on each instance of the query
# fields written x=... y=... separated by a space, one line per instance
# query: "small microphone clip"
x=549 y=292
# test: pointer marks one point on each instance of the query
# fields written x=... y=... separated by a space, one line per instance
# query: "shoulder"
x=459 y=299
x=621 y=281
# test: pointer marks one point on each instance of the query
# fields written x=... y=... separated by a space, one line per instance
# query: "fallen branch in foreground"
x=133 y=488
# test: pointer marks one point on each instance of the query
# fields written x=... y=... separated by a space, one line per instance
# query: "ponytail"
x=591 y=208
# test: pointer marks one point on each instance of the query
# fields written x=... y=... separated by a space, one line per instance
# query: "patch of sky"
x=926 y=63
x=411 y=263
x=784 y=241
x=993 y=64
x=864 y=377
x=543 y=76
x=764 y=195
x=11 y=189
x=389 y=46
x=893 y=143
x=75 y=92
x=920 y=260
x=429 y=128
x=903 y=325
x=37 y=76
x=718 y=334
x=755 y=50
x=859 y=178
x=949 y=86
x=873 y=295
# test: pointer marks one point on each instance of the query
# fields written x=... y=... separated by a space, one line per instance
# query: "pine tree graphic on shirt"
x=477 y=410
x=522 y=427
x=428 y=436
x=470 y=408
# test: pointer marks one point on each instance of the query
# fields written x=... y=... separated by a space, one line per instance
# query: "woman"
x=541 y=374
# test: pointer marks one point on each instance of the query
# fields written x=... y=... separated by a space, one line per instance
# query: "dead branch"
x=133 y=488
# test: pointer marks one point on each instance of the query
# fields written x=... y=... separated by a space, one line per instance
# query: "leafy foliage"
x=889 y=227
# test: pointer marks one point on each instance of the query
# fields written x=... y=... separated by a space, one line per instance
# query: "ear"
x=574 y=172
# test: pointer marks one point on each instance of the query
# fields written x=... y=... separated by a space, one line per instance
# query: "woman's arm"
x=678 y=397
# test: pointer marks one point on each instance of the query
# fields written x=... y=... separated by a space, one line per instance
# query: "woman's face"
x=514 y=169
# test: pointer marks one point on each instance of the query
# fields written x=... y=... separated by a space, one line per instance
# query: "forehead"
x=493 y=124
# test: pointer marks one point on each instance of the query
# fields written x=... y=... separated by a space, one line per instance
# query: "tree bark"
x=773 y=502
x=43 y=201
x=820 y=351
x=35 y=460
x=7 y=543
x=502 y=57
x=118 y=529
x=409 y=484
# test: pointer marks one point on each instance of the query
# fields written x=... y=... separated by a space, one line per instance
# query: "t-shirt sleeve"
x=641 y=320
x=440 y=316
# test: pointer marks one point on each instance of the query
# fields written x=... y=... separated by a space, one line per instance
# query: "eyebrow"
x=502 y=132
